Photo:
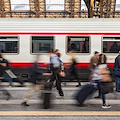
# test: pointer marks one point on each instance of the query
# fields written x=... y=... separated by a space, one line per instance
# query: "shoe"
x=118 y=93
x=78 y=85
x=11 y=86
x=106 y=106
x=59 y=97
x=24 y=104
x=82 y=105
x=98 y=96
x=118 y=90
x=8 y=97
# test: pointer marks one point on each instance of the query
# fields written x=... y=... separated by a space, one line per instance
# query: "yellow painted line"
x=55 y=113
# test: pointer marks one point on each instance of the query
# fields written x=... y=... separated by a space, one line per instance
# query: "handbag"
x=117 y=72
x=62 y=74
x=106 y=87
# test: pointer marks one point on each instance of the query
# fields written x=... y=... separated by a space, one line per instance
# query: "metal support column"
x=2 y=9
x=72 y=6
x=101 y=8
x=37 y=8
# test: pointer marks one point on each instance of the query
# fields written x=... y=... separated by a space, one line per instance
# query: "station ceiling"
x=59 y=8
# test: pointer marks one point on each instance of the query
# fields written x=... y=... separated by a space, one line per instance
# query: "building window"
x=20 y=5
x=117 y=5
x=78 y=44
x=55 y=4
x=42 y=44
x=83 y=6
x=111 y=44
x=8 y=44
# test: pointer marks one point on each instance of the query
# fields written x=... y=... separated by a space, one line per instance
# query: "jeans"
x=101 y=94
x=8 y=78
x=117 y=80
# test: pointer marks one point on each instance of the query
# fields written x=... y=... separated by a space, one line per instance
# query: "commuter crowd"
x=100 y=79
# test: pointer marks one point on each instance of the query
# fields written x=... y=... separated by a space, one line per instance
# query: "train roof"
x=60 y=25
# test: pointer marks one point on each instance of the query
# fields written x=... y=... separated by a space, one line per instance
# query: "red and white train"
x=22 y=39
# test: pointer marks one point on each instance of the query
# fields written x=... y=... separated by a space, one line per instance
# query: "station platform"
x=69 y=90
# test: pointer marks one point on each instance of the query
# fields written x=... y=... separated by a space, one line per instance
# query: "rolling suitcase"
x=84 y=92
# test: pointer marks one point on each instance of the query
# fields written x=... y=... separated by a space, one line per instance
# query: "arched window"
x=83 y=6
x=117 y=7
x=55 y=4
x=20 y=5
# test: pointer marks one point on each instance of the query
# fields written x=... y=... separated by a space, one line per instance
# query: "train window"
x=78 y=44
x=8 y=44
x=111 y=44
x=42 y=44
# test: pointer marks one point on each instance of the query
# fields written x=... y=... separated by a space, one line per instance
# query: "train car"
x=22 y=39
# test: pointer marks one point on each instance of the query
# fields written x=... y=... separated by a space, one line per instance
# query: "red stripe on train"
x=27 y=65
x=41 y=33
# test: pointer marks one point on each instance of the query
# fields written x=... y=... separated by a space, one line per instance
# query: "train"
x=23 y=38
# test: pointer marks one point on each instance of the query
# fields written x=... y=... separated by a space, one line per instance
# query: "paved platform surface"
x=61 y=109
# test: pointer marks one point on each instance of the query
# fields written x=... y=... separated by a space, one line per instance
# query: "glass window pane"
x=20 y=5
x=42 y=44
x=83 y=5
x=78 y=44
x=117 y=5
x=8 y=44
x=111 y=44
x=55 y=4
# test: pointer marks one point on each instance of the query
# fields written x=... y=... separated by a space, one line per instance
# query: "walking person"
x=73 y=68
x=92 y=66
x=99 y=73
x=2 y=71
x=116 y=69
x=4 y=64
x=55 y=64
x=94 y=61
x=35 y=72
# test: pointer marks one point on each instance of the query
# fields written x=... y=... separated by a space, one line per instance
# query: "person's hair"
x=1 y=55
x=50 y=51
x=102 y=59
x=58 y=54
x=119 y=51
x=57 y=50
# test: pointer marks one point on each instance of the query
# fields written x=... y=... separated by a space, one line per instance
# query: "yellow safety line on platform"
x=55 y=113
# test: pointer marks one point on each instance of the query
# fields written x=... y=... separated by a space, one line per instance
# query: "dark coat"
x=117 y=62
x=2 y=68
x=34 y=73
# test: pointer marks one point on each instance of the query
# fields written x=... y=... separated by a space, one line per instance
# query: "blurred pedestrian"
x=5 y=68
x=116 y=69
x=92 y=66
x=73 y=68
x=35 y=72
x=2 y=65
x=94 y=61
x=100 y=73
x=55 y=64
